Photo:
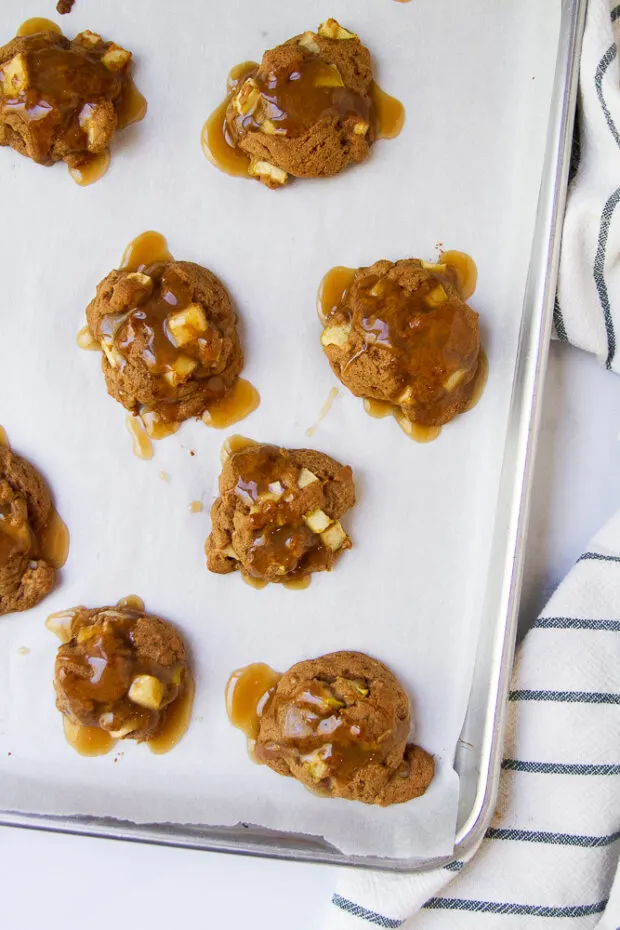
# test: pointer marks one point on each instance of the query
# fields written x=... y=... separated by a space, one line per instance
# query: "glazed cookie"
x=401 y=333
x=277 y=517
x=169 y=339
x=306 y=111
x=26 y=575
x=62 y=100
x=121 y=670
x=339 y=724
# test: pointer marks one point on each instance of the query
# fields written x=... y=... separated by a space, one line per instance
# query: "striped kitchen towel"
x=587 y=309
x=552 y=849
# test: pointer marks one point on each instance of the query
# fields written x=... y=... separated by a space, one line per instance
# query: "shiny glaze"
x=239 y=403
x=247 y=692
x=142 y=445
x=327 y=406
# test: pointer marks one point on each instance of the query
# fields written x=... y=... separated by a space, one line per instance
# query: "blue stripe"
x=576 y=623
x=566 y=697
x=560 y=768
x=555 y=839
x=599 y=274
x=356 y=910
x=598 y=556
x=530 y=910
x=604 y=64
x=455 y=866
x=558 y=321
x=615 y=13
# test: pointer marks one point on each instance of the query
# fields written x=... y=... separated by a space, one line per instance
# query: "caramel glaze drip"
x=248 y=691
x=132 y=602
x=239 y=403
x=391 y=327
x=216 y=141
x=292 y=106
x=99 y=677
x=37 y=24
x=235 y=444
x=64 y=84
x=280 y=536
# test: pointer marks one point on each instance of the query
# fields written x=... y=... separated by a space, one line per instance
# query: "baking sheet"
x=476 y=80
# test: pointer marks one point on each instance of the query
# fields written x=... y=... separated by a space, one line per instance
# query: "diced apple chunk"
x=187 y=325
x=455 y=379
x=308 y=41
x=247 y=97
x=331 y=29
x=317 y=520
x=129 y=727
x=336 y=335
x=334 y=537
x=14 y=76
x=147 y=691
x=436 y=297
x=88 y=38
x=113 y=356
x=315 y=762
x=267 y=173
x=116 y=58
x=181 y=370
x=305 y=478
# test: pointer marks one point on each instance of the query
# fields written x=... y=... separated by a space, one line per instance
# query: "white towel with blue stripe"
x=551 y=854
x=552 y=849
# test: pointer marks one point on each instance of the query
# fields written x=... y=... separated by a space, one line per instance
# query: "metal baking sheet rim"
x=479 y=752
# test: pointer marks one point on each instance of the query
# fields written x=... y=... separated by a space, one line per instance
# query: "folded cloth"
x=586 y=312
x=553 y=846
x=552 y=850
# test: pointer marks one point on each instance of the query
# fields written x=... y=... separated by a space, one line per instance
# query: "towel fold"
x=552 y=849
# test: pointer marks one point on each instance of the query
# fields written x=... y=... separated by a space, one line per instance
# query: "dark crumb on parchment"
x=64 y=6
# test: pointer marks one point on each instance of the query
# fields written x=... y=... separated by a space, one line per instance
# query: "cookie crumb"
x=64 y=6
x=23 y=651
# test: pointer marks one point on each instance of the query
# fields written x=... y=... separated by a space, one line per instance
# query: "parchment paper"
x=476 y=81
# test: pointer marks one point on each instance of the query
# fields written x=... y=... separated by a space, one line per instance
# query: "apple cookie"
x=169 y=339
x=309 y=110
x=63 y=100
x=28 y=520
x=339 y=724
x=400 y=333
x=278 y=515
x=119 y=670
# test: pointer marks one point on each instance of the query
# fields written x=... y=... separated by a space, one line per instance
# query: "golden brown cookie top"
x=306 y=110
x=169 y=338
x=400 y=332
x=26 y=576
x=60 y=99
x=121 y=671
x=339 y=724
x=277 y=517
